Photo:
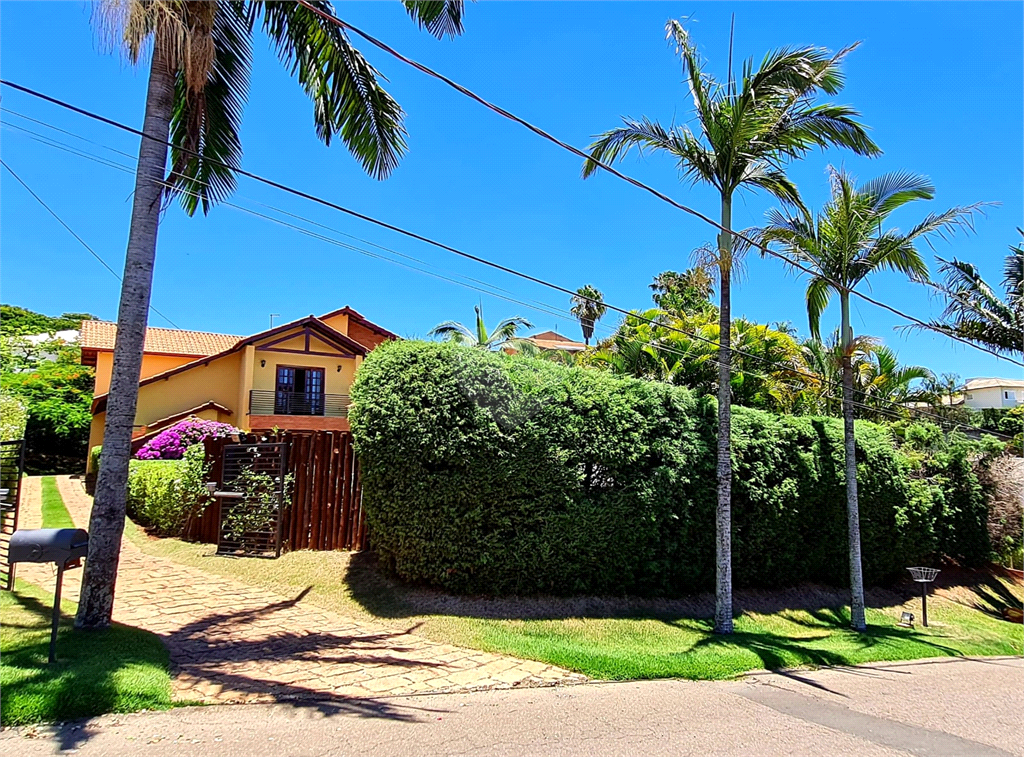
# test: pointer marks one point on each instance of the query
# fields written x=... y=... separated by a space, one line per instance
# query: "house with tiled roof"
x=552 y=340
x=291 y=377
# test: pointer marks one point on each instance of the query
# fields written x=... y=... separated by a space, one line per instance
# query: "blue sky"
x=940 y=85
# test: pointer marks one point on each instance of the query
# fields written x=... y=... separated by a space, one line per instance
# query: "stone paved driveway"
x=231 y=642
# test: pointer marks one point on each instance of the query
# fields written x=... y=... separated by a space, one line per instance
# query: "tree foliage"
x=499 y=474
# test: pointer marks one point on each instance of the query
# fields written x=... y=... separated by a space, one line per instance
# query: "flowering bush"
x=13 y=417
x=171 y=443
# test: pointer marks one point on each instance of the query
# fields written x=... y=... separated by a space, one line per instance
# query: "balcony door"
x=300 y=391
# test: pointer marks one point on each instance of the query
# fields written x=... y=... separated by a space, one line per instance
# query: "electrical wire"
x=552 y=310
x=73 y=233
x=639 y=184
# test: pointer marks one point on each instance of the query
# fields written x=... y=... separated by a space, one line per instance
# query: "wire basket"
x=923 y=575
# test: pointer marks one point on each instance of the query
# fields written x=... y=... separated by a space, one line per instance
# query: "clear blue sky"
x=940 y=84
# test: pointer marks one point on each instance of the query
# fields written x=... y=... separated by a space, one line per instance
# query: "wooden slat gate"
x=12 y=464
x=252 y=498
x=325 y=512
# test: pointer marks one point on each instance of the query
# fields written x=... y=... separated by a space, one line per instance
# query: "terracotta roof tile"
x=99 y=335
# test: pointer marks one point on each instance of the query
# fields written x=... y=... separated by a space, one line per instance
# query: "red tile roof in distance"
x=99 y=335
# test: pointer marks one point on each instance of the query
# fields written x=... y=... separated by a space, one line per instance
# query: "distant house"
x=294 y=377
x=1000 y=393
x=552 y=340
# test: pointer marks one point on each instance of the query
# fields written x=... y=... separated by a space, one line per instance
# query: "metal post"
x=56 y=614
x=924 y=604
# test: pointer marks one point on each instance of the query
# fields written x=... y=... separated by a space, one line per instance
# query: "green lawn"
x=55 y=514
x=120 y=669
x=632 y=639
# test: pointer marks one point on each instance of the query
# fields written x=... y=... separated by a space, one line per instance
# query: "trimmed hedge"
x=163 y=493
x=498 y=474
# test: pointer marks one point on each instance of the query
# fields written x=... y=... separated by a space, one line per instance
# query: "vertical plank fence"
x=325 y=512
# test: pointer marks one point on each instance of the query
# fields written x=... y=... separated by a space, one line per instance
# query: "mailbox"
x=64 y=546
x=56 y=545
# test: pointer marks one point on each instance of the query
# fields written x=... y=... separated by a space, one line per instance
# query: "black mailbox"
x=64 y=546
x=57 y=545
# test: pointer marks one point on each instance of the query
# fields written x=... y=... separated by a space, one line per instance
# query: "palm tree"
x=588 y=307
x=746 y=135
x=198 y=81
x=504 y=333
x=976 y=312
x=885 y=385
x=843 y=245
x=686 y=292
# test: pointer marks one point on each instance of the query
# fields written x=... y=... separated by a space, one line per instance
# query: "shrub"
x=500 y=474
x=171 y=443
x=162 y=494
x=13 y=418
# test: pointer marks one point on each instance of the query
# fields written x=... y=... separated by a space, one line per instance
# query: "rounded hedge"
x=499 y=474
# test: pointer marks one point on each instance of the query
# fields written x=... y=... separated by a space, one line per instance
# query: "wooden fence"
x=325 y=511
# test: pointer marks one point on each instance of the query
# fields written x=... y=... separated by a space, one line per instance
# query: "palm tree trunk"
x=723 y=518
x=852 y=505
x=106 y=523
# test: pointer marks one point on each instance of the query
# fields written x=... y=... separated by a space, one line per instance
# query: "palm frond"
x=818 y=294
x=453 y=331
x=348 y=100
x=206 y=120
x=439 y=17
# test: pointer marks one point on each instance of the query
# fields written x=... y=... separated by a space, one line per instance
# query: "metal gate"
x=252 y=494
x=12 y=464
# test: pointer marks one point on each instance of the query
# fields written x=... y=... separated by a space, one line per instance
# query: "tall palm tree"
x=975 y=311
x=198 y=81
x=747 y=132
x=843 y=245
x=588 y=307
x=504 y=334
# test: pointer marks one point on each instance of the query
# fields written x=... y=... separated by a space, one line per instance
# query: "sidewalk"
x=232 y=642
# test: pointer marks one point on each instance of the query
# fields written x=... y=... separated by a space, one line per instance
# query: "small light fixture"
x=339 y=369
x=263 y=364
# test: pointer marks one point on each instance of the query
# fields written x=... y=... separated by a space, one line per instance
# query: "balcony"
x=269 y=402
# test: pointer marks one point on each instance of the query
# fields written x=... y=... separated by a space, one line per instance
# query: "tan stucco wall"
x=151 y=365
x=338 y=322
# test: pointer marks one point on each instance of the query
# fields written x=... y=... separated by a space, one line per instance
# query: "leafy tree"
x=975 y=311
x=200 y=63
x=503 y=334
x=588 y=307
x=843 y=245
x=58 y=393
x=687 y=292
x=16 y=321
x=746 y=132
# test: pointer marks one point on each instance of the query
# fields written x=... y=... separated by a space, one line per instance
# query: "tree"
x=504 y=333
x=201 y=57
x=588 y=307
x=885 y=386
x=976 y=312
x=16 y=321
x=843 y=245
x=686 y=292
x=746 y=135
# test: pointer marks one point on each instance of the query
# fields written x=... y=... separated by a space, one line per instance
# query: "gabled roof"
x=360 y=318
x=989 y=383
x=99 y=403
x=552 y=340
x=100 y=335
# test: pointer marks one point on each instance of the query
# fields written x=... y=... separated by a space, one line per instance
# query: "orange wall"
x=151 y=365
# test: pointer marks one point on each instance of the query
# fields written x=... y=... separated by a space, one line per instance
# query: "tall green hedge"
x=498 y=474
x=162 y=494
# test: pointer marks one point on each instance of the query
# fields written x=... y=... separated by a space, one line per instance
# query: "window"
x=300 y=391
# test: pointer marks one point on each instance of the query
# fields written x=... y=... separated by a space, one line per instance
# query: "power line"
x=75 y=235
x=467 y=255
x=544 y=307
x=635 y=182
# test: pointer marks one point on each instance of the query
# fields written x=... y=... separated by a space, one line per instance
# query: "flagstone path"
x=232 y=642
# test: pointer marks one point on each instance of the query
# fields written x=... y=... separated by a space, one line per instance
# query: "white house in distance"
x=997 y=393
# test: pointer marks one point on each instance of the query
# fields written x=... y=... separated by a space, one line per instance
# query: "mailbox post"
x=64 y=546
